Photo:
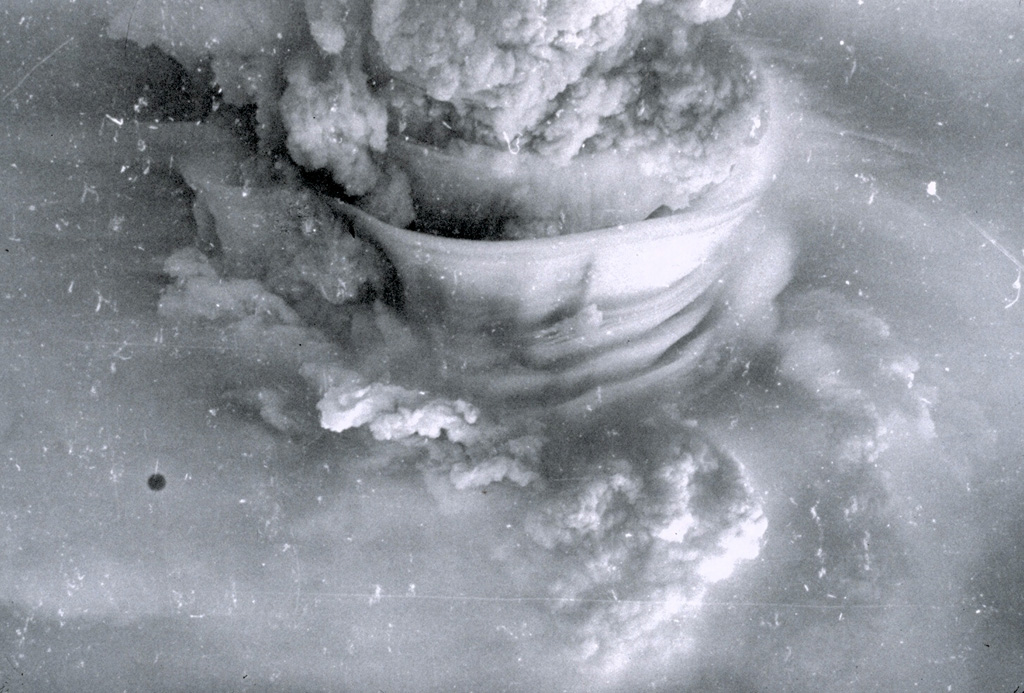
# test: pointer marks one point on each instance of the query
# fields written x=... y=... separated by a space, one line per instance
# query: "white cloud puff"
x=645 y=537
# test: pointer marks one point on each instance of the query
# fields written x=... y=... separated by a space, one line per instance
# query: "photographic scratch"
x=10 y=92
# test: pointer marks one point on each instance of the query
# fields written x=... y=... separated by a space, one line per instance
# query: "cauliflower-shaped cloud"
x=646 y=537
x=544 y=74
x=329 y=23
x=457 y=48
x=515 y=462
x=510 y=58
x=333 y=79
x=389 y=412
x=334 y=123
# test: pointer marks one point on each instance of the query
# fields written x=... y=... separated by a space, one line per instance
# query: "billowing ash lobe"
x=624 y=526
x=555 y=78
x=622 y=523
x=333 y=79
x=644 y=518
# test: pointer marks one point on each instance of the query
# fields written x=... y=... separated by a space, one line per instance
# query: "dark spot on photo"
x=156 y=482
